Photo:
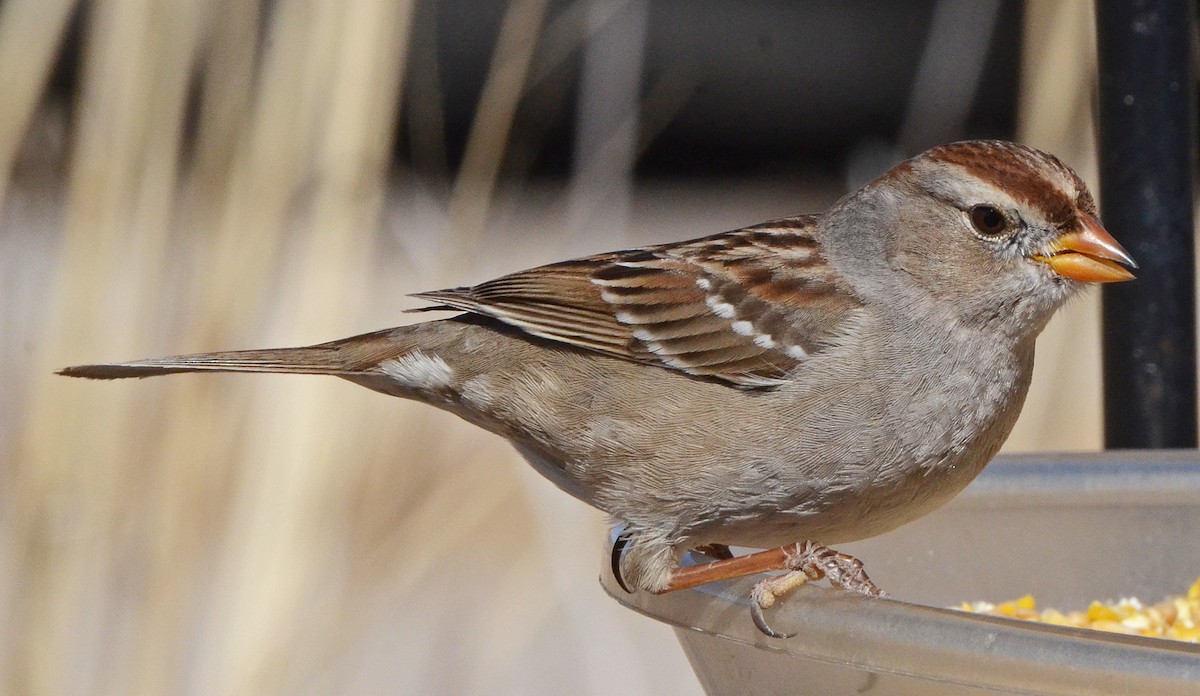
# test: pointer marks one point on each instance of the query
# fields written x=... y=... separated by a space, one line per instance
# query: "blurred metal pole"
x=1147 y=160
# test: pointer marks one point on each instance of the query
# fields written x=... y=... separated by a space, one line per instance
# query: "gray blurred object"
x=944 y=88
x=770 y=85
x=948 y=74
x=1068 y=529
x=607 y=117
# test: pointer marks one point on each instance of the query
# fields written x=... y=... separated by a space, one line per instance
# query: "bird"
x=790 y=386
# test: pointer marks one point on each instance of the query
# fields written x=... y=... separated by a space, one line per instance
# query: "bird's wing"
x=744 y=307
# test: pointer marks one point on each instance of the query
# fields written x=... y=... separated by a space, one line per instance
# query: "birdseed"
x=1176 y=618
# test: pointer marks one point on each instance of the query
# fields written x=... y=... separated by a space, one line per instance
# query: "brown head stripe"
x=1023 y=172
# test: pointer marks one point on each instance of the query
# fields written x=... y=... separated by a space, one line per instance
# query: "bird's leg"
x=802 y=561
x=843 y=570
x=720 y=551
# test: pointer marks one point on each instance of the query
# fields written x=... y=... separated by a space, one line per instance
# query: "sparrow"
x=791 y=385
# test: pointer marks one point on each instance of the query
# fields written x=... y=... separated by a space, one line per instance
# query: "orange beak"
x=1089 y=255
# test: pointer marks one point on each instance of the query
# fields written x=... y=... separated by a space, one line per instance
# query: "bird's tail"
x=347 y=356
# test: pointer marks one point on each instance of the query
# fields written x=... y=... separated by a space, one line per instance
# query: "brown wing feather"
x=558 y=302
x=744 y=307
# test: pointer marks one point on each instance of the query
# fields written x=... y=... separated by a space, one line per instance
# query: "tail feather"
x=347 y=356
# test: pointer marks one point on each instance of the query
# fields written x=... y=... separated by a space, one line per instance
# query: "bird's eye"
x=988 y=221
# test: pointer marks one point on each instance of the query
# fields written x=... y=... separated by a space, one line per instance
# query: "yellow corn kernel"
x=1185 y=611
x=1188 y=633
x=1056 y=617
x=1101 y=612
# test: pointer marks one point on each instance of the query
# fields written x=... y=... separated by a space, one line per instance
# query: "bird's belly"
x=838 y=515
x=888 y=477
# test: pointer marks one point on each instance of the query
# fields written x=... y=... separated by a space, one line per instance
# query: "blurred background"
x=193 y=175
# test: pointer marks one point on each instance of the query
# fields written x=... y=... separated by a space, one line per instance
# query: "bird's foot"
x=768 y=590
x=802 y=561
x=806 y=561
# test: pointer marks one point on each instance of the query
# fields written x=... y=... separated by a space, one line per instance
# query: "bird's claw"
x=766 y=591
x=618 y=548
x=809 y=561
